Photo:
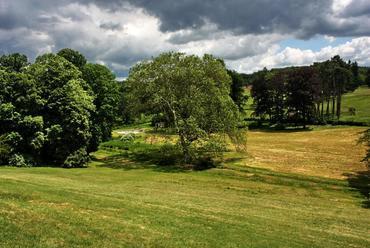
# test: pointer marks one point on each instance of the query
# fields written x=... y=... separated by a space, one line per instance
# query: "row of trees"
x=56 y=110
x=304 y=94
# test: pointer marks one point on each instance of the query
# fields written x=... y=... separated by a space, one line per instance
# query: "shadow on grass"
x=147 y=158
x=280 y=130
x=138 y=161
x=361 y=183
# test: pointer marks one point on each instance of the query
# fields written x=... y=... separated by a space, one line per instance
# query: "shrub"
x=128 y=137
x=18 y=160
x=78 y=158
x=169 y=154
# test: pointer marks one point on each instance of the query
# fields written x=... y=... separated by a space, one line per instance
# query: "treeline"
x=56 y=110
x=302 y=95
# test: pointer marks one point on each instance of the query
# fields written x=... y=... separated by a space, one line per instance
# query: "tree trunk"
x=333 y=107
x=185 y=149
x=339 y=104
x=327 y=106
x=318 y=110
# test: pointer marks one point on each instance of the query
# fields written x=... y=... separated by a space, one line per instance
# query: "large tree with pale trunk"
x=192 y=92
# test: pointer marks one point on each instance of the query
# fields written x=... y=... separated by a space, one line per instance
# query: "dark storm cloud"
x=358 y=8
x=302 y=18
x=37 y=26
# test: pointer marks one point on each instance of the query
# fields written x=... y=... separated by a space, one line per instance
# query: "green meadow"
x=300 y=191
x=360 y=100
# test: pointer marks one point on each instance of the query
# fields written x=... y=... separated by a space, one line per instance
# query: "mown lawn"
x=248 y=202
x=360 y=100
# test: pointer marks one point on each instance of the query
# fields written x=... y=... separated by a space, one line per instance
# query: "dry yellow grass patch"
x=331 y=152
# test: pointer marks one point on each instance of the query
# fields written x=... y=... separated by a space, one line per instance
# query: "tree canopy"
x=191 y=91
x=50 y=110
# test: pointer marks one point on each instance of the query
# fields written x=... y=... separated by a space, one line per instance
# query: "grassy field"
x=294 y=189
x=360 y=100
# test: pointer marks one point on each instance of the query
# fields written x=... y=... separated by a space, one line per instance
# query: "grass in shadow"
x=281 y=130
x=360 y=181
x=138 y=154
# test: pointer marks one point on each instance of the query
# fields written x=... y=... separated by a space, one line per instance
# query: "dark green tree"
x=262 y=97
x=107 y=92
x=237 y=89
x=300 y=95
x=21 y=125
x=73 y=56
x=355 y=82
x=277 y=88
x=13 y=62
x=66 y=112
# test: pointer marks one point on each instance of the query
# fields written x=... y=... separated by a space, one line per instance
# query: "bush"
x=205 y=153
x=128 y=137
x=77 y=159
x=169 y=154
x=18 y=160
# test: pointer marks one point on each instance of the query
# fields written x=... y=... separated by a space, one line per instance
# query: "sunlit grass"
x=360 y=100
x=285 y=193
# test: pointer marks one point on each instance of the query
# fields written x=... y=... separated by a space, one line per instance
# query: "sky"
x=248 y=34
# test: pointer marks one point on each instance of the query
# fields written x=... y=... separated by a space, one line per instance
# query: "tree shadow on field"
x=281 y=130
x=146 y=159
x=360 y=181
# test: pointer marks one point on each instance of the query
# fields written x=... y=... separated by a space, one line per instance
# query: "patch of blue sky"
x=315 y=44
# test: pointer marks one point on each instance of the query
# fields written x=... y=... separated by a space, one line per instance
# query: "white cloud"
x=329 y=38
x=122 y=36
x=357 y=49
x=339 y=5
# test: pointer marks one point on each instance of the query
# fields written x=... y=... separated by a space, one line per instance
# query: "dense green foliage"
x=237 y=89
x=48 y=111
x=191 y=92
x=73 y=56
x=13 y=62
x=107 y=98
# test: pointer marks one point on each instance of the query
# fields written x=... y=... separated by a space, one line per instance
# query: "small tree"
x=194 y=91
